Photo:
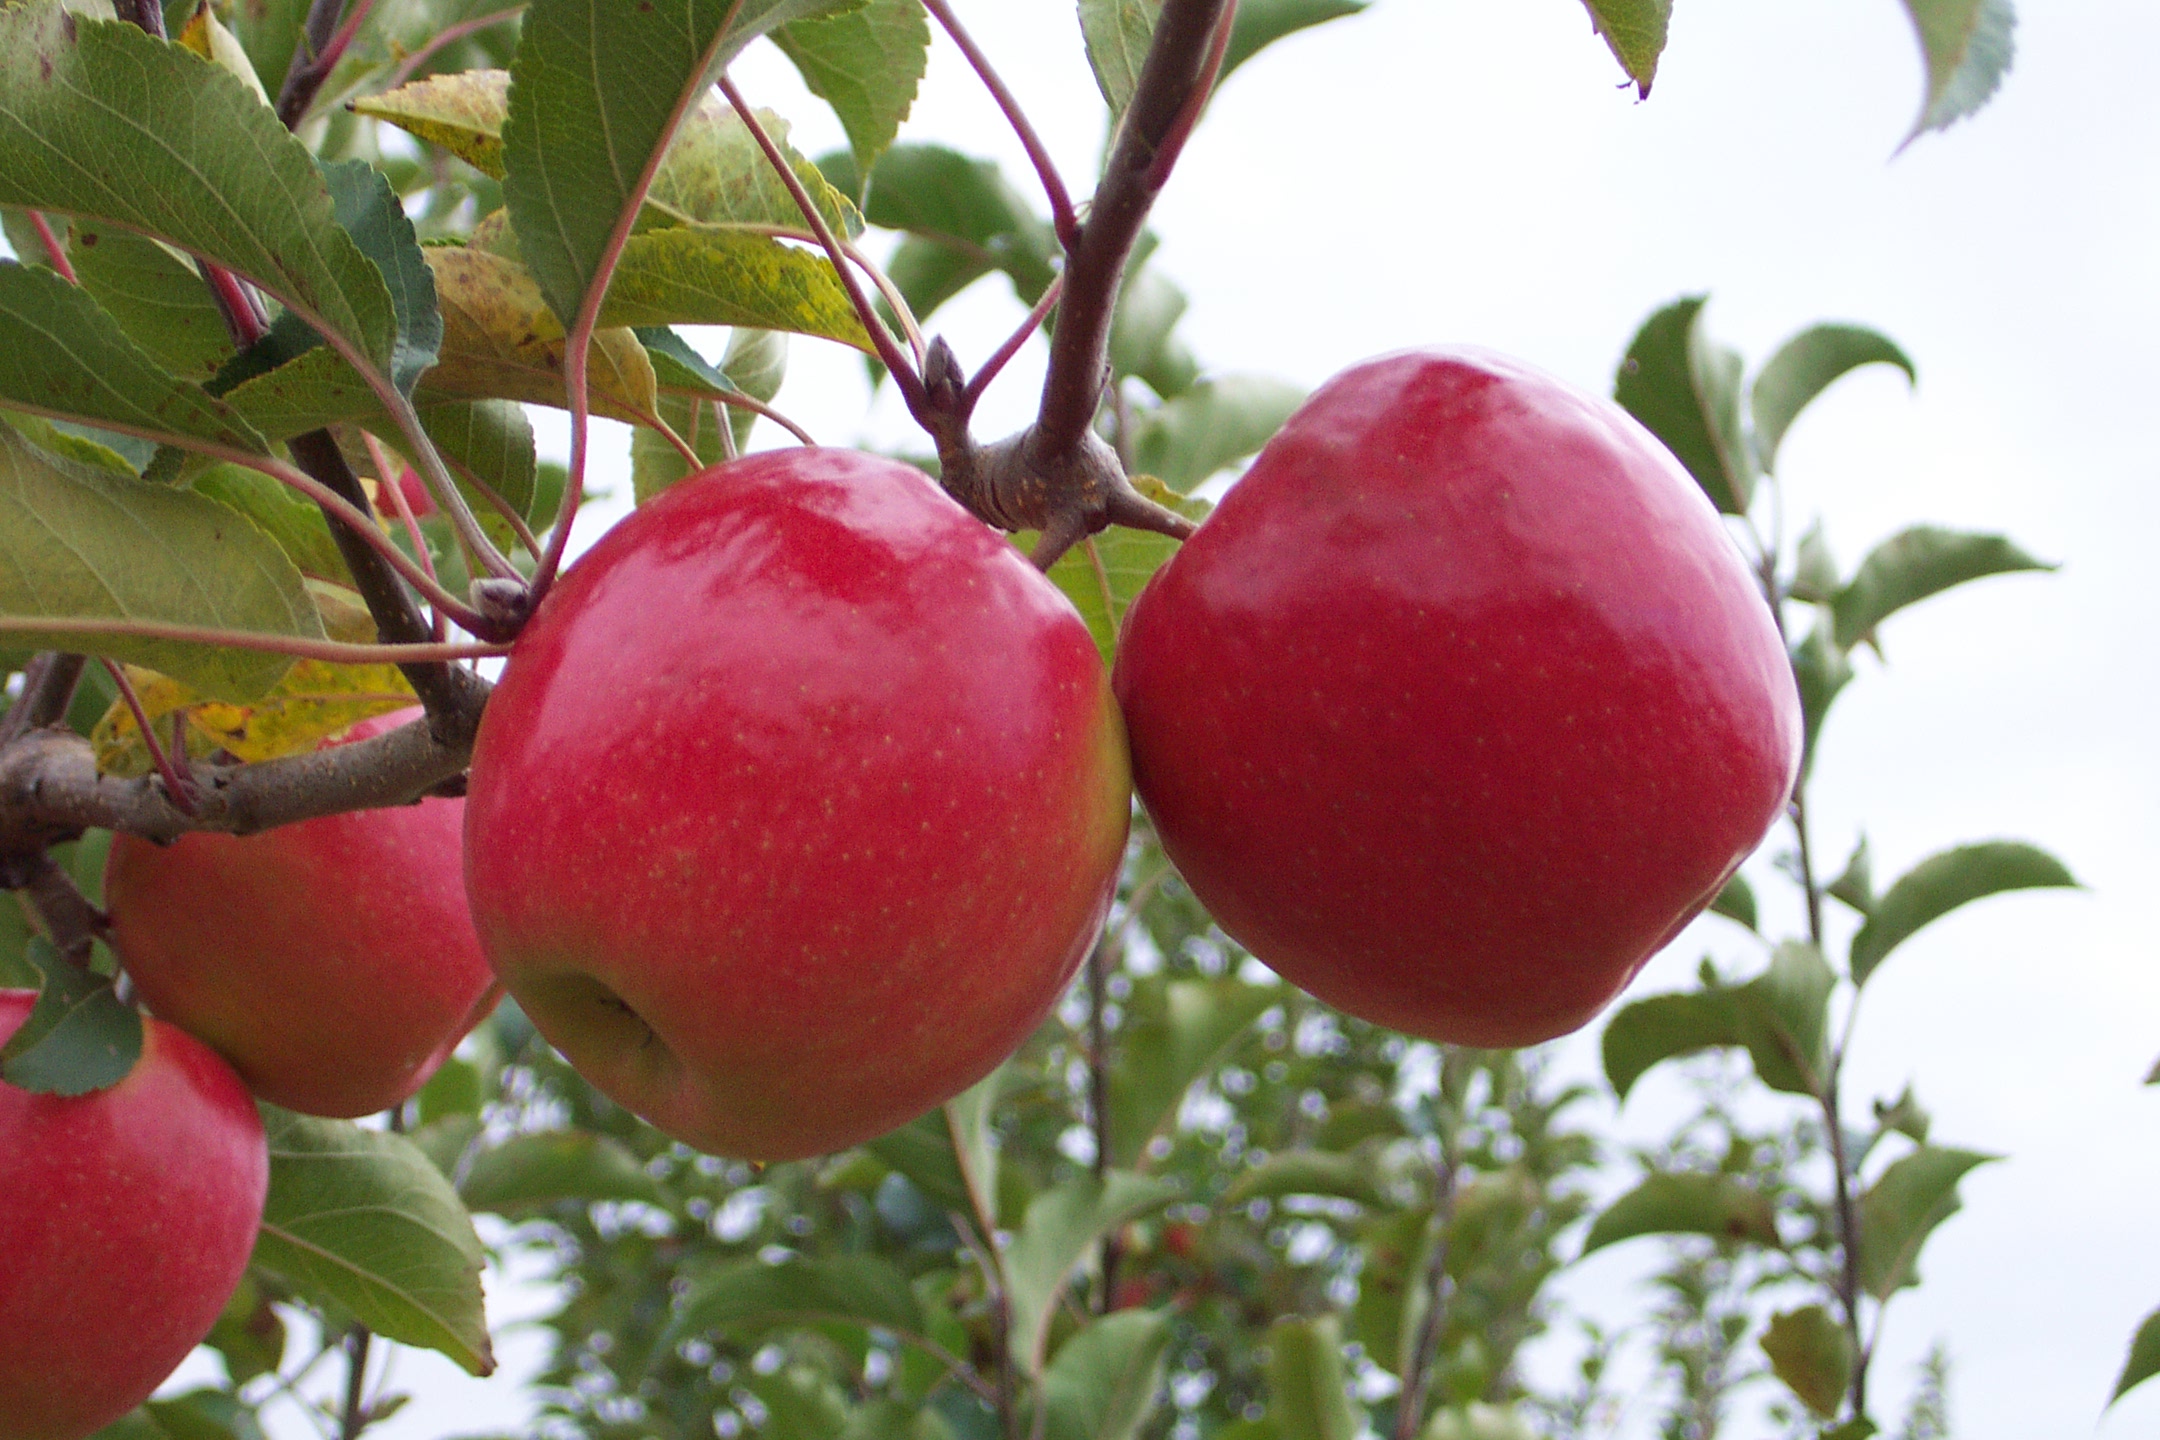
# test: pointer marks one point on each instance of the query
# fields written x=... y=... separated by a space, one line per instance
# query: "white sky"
x=1446 y=172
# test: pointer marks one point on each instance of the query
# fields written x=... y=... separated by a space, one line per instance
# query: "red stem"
x=1062 y=215
x=1173 y=143
x=177 y=789
x=54 y=250
x=450 y=35
x=1013 y=342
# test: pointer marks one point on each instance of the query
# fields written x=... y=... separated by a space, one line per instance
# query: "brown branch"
x=48 y=689
x=71 y=921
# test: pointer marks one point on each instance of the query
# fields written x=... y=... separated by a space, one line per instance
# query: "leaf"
x=1943 y=882
x=922 y=1151
x=1063 y=1224
x=463 y=113
x=250 y=1334
x=2143 y=1361
x=208 y=166
x=1813 y=1355
x=1914 y=564
x=79 y=1036
x=1968 y=46
x=1856 y=884
x=490 y=441
x=1780 y=1017
x=1117 y=33
x=1260 y=23
x=2152 y=1076
x=61 y=355
x=1736 y=901
x=1634 y=30
x=1820 y=671
x=1306 y=1393
x=80 y=543
x=755 y=362
x=866 y=64
x=1105 y=573
x=1143 y=343
x=1175 y=1031
x=1902 y=1208
x=527 y=1172
x=1804 y=367
x=1310 y=1172
x=1686 y=391
x=1213 y=425
x=286 y=516
x=1104 y=1382
x=963 y=221
x=1815 y=575
x=707 y=275
x=363 y=1220
x=314 y=701
x=656 y=465
x=204 y=1415
x=1686 y=1203
x=752 y=1296
x=595 y=92
x=207 y=37
x=371 y=212
x=157 y=298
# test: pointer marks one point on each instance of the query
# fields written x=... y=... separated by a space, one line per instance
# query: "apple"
x=333 y=962
x=1461 y=704
x=127 y=1216
x=799 y=801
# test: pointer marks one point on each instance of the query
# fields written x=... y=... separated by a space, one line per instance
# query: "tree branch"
x=48 y=689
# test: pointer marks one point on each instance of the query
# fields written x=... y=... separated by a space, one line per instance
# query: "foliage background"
x=1474 y=173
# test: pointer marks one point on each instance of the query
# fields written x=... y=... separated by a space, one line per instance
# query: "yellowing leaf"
x=500 y=341
x=463 y=113
x=314 y=701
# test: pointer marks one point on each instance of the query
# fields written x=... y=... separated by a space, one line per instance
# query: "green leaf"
x=1260 y=23
x=1856 y=884
x=1686 y=1203
x=1307 y=1396
x=1104 y=1382
x=705 y=275
x=61 y=355
x=866 y=64
x=1105 y=573
x=755 y=362
x=1736 y=901
x=752 y=1296
x=208 y=165
x=1664 y=1027
x=370 y=211
x=528 y=1172
x=922 y=1151
x=1351 y=1176
x=1914 y=564
x=1063 y=1224
x=285 y=515
x=656 y=465
x=1635 y=32
x=1117 y=33
x=2143 y=1361
x=363 y=1220
x=2152 y=1076
x=156 y=296
x=1859 y=1427
x=1175 y=1031
x=490 y=441
x=79 y=1036
x=1142 y=339
x=1902 y=1208
x=463 y=113
x=1813 y=1355
x=595 y=91
x=454 y=1089
x=963 y=222
x=1686 y=390
x=1815 y=574
x=1943 y=882
x=1781 y=1018
x=250 y=1334
x=80 y=543
x=1804 y=367
x=1820 y=671
x=1968 y=46
x=1213 y=425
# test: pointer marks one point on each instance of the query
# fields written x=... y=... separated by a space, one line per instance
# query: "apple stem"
x=1065 y=222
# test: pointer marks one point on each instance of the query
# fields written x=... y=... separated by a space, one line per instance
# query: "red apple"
x=800 y=800
x=333 y=962
x=126 y=1219
x=1461 y=704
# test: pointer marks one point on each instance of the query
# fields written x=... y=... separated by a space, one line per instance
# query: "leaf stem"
x=337 y=652
x=178 y=787
x=1044 y=304
x=323 y=43
x=55 y=252
x=448 y=35
x=1062 y=215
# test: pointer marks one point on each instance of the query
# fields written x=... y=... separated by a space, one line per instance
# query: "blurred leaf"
x=1856 y=885
x=1105 y=573
x=1804 y=367
x=1902 y=1208
x=1813 y=1355
x=362 y=1219
x=527 y=1172
x=1142 y=342
x=756 y=363
x=91 y=545
x=1063 y=1225
x=1968 y=46
x=1478 y=1421
x=1780 y=1017
x=922 y=1150
x=1260 y=23
x=314 y=701
x=656 y=465
x=1104 y=1381
x=2143 y=1361
x=2152 y=1076
x=155 y=295
x=963 y=221
x=79 y=1036
x=1914 y=564
x=1859 y=1427
x=454 y=1089
x=1664 y=1027
x=1903 y=1116
x=1943 y=882
x=866 y=64
x=1117 y=33
x=1211 y=426
x=205 y=1415
x=1307 y=1397
x=1635 y=32
x=1815 y=573
x=751 y=1297
x=1174 y=1032
x=1686 y=1203
x=208 y=165
x=1393 y=1294
x=1310 y=1172
x=250 y=1334
x=1686 y=390
x=1821 y=670
x=1736 y=901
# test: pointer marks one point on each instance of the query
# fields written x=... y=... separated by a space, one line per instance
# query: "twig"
x=1098 y=979
x=177 y=786
x=354 y=1417
x=1000 y=1320
x=1410 y=1407
x=894 y=300
x=48 y=689
x=323 y=43
x=1067 y=223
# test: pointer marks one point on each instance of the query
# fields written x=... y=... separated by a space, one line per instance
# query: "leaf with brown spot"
x=314 y=701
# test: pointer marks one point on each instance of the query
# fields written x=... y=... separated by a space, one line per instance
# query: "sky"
x=1442 y=172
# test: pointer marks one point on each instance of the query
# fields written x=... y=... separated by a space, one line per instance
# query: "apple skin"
x=1461 y=704
x=799 y=801
x=333 y=962
x=126 y=1220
